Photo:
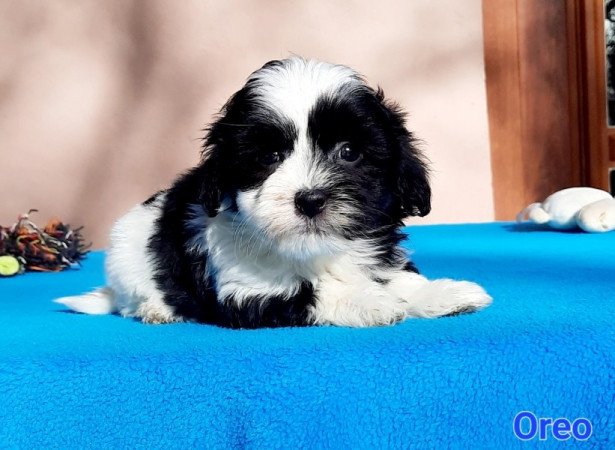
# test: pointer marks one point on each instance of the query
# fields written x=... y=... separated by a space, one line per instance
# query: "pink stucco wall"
x=102 y=103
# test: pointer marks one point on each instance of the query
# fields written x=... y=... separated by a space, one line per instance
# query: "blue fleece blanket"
x=546 y=345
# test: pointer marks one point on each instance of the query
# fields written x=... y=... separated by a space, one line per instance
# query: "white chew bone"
x=560 y=209
x=598 y=217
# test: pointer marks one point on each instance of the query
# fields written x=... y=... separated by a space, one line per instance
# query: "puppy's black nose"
x=310 y=202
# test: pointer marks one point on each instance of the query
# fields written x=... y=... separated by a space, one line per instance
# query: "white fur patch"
x=99 y=301
x=430 y=299
x=349 y=296
x=293 y=87
x=129 y=266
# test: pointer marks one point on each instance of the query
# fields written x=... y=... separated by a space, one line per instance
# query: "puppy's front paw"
x=448 y=297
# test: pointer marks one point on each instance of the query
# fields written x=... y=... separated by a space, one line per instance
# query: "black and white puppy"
x=292 y=217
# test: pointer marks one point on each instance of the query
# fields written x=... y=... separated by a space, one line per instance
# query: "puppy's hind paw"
x=449 y=297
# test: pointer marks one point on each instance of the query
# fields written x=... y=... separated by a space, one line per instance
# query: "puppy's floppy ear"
x=213 y=170
x=218 y=149
x=413 y=176
x=211 y=191
x=413 y=179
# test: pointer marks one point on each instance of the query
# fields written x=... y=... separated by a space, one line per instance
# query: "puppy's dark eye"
x=271 y=158
x=348 y=154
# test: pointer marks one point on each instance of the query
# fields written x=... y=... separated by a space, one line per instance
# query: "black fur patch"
x=391 y=178
x=237 y=143
x=181 y=275
x=270 y=311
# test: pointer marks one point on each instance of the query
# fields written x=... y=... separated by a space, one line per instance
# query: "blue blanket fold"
x=546 y=345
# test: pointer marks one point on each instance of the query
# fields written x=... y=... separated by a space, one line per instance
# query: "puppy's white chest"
x=243 y=280
x=244 y=268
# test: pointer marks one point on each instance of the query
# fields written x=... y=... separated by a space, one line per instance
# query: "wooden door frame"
x=588 y=46
x=546 y=99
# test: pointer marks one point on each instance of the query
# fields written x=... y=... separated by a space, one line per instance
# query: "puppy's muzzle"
x=310 y=202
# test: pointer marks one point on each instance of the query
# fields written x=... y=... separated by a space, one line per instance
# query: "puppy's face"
x=308 y=156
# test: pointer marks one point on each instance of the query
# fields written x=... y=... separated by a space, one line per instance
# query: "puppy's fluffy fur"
x=292 y=217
